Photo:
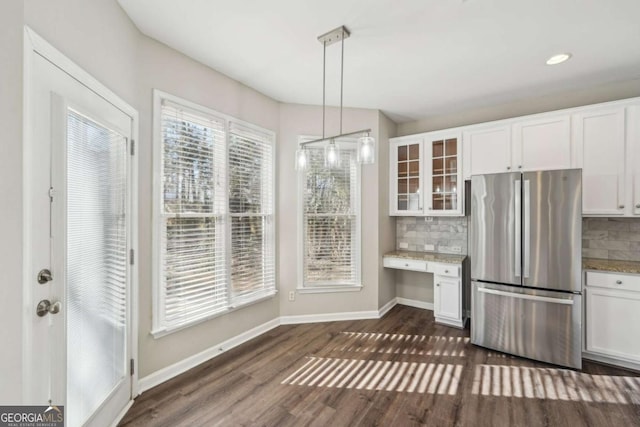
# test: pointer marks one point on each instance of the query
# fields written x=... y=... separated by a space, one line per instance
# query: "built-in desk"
x=449 y=274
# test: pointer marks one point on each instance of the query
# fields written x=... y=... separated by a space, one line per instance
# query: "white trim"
x=415 y=303
x=387 y=307
x=328 y=317
x=33 y=44
x=329 y=289
x=614 y=361
x=184 y=365
x=122 y=413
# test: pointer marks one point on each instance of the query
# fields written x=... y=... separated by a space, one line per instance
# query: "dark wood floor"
x=402 y=370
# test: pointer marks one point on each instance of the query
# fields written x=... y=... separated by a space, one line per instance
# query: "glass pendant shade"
x=332 y=155
x=301 y=159
x=366 y=150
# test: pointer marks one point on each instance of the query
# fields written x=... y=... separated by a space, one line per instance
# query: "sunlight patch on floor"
x=421 y=345
x=553 y=384
x=410 y=377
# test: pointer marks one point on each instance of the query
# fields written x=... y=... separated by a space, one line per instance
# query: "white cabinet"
x=612 y=315
x=542 y=144
x=486 y=150
x=599 y=138
x=443 y=186
x=448 y=304
x=426 y=175
x=633 y=158
x=406 y=164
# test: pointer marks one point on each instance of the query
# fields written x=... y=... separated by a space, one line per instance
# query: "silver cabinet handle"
x=446 y=271
x=618 y=282
x=406 y=265
x=638 y=206
x=621 y=207
x=519 y=166
x=437 y=284
x=508 y=168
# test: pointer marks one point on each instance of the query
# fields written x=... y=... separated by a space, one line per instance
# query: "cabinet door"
x=613 y=323
x=542 y=144
x=487 y=150
x=406 y=165
x=633 y=156
x=446 y=298
x=600 y=151
x=443 y=186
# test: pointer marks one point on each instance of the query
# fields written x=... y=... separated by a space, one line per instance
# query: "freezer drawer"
x=536 y=324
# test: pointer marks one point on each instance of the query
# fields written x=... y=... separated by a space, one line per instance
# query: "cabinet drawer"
x=627 y=282
x=448 y=270
x=405 y=264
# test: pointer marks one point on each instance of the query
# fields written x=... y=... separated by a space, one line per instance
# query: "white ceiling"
x=408 y=58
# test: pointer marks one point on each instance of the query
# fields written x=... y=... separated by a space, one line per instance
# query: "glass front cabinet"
x=426 y=175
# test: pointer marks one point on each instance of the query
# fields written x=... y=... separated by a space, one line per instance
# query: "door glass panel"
x=438 y=149
x=402 y=203
x=452 y=164
x=414 y=152
x=96 y=264
x=414 y=168
x=414 y=185
x=451 y=147
x=402 y=170
x=402 y=186
x=402 y=153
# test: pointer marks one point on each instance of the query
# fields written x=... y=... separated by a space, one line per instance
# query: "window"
x=330 y=221
x=214 y=214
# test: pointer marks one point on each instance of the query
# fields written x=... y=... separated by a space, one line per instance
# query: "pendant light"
x=366 y=143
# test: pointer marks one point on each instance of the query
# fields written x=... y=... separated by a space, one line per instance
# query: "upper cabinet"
x=518 y=145
x=443 y=175
x=406 y=174
x=603 y=140
x=542 y=144
x=607 y=146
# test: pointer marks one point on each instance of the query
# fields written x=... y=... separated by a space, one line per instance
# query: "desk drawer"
x=405 y=264
x=447 y=270
x=627 y=282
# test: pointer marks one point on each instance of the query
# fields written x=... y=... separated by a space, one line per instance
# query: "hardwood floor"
x=401 y=370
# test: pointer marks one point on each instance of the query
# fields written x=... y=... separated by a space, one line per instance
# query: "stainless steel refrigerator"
x=526 y=264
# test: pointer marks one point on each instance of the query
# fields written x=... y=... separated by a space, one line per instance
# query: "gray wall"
x=11 y=15
x=571 y=98
x=611 y=238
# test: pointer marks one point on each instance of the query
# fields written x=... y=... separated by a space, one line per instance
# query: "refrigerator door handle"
x=526 y=209
x=517 y=205
x=526 y=296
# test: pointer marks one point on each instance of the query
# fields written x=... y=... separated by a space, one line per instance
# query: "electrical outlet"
x=404 y=245
x=457 y=249
x=429 y=247
x=428 y=219
x=292 y=295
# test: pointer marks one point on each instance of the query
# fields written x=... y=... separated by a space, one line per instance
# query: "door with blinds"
x=80 y=212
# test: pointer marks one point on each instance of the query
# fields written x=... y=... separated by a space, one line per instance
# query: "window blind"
x=251 y=208
x=193 y=208
x=216 y=211
x=331 y=220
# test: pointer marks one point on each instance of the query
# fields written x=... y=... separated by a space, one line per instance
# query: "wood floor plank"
x=401 y=370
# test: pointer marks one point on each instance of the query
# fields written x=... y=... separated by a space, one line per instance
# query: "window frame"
x=329 y=287
x=158 y=326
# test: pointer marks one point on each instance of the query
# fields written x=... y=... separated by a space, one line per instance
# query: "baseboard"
x=171 y=371
x=122 y=413
x=388 y=306
x=328 y=317
x=627 y=364
x=415 y=303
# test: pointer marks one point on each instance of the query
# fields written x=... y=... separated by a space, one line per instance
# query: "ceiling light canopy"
x=558 y=59
x=366 y=143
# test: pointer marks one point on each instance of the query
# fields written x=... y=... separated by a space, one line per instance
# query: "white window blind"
x=251 y=208
x=331 y=220
x=193 y=207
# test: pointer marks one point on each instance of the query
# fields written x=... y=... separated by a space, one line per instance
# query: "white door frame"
x=35 y=45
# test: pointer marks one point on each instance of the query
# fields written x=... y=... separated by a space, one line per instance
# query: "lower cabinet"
x=448 y=300
x=612 y=316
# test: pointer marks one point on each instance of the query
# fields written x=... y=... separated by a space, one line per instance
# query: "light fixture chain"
x=324 y=91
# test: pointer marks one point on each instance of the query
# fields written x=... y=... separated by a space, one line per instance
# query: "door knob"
x=44 y=276
x=45 y=307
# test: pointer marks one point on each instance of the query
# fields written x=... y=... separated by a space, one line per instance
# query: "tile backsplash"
x=611 y=238
x=608 y=238
x=445 y=233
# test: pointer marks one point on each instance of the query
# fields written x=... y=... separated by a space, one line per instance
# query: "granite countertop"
x=427 y=256
x=631 y=267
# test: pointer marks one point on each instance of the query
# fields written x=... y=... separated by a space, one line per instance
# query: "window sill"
x=161 y=332
x=328 y=289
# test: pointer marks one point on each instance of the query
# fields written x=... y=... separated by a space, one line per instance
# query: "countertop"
x=615 y=266
x=428 y=256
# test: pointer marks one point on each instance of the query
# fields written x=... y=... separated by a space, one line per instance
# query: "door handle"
x=526 y=207
x=45 y=306
x=44 y=276
x=526 y=296
x=517 y=206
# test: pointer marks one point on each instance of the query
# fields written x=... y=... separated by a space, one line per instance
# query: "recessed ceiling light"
x=558 y=59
